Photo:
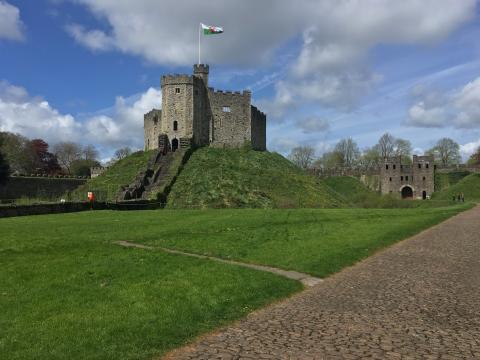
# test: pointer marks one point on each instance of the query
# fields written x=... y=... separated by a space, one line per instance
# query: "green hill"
x=469 y=186
x=349 y=188
x=107 y=185
x=443 y=181
x=229 y=178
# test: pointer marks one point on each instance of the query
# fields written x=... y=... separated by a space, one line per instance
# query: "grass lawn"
x=67 y=292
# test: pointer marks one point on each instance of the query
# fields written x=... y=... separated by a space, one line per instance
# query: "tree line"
x=20 y=155
x=347 y=154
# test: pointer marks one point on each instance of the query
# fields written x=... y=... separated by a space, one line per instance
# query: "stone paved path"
x=417 y=299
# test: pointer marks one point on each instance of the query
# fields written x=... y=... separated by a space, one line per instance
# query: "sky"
x=322 y=70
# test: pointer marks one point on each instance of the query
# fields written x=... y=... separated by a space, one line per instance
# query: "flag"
x=211 y=30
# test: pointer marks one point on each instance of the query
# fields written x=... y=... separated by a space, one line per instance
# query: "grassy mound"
x=443 y=181
x=229 y=178
x=350 y=188
x=469 y=186
x=107 y=185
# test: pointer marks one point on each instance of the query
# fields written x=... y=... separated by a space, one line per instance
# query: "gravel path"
x=417 y=299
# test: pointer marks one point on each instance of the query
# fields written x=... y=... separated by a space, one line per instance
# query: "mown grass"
x=66 y=292
x=236 y=178
x=107 y=185
x=469 y=186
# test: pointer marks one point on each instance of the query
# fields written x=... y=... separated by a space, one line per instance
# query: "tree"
x=386 y=145
x=371 y=158
x=446 y=151
x=122 y=153
x=302 y=156
x=474 y=159
x=90 y=153
x=328 y=160
x=4 y=167
x=67 y=152
x=403 y=149
x=18 y=152
x=43 y=160
x=81 y=167
x=348 y=152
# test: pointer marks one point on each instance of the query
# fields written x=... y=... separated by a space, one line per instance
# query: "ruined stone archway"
x=407 y=192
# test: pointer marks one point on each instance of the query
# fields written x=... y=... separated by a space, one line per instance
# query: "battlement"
x=257 y=111
x=201 y=68
x=229 y=93
x=177 y=79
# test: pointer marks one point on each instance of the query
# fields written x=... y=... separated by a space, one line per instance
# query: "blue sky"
x=86 y=70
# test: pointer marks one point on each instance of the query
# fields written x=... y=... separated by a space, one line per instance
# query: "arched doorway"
x=174 y=144
x=407 y=192
x=424 y=195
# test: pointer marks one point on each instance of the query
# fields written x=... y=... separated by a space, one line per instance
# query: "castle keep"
x=410 y=181
x=193 y=113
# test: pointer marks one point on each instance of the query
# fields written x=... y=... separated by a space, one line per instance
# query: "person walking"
x=462 y=197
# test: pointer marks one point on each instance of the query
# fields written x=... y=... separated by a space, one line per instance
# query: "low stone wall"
x=43 y=188
x=58 y=208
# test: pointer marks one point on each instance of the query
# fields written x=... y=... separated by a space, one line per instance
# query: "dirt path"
x=417 y=299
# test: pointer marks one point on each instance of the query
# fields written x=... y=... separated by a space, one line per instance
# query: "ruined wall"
x=231 y=126
x=151 y=128
x=259 y=129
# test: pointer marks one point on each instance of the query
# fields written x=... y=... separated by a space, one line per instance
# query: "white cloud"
x=122 y=125
x=11 y=27
x=460 y=108
x=468 y=103
x=95 y=40
x=469 y=148
x=313 y=125
x=331 y=68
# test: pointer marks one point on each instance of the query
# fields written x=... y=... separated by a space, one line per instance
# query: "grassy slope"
x=241 y=178
x=443 y=181
x=107 y=185
x=469 y=186
x=349 y=188
x=68 y=293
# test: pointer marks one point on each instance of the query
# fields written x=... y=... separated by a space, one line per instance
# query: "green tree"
x=18 y=152
x=81 y=167
x=302 y=156
x=474 y=159
x=446 y=152
x=348 y=152
x=4 y=167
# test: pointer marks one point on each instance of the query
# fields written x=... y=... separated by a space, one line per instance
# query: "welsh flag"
x=211 y=30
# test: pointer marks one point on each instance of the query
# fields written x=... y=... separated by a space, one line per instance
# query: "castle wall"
x=419 y=176
x=259 y=129
x=231 y=126
x=177 y=106
x=151 y=128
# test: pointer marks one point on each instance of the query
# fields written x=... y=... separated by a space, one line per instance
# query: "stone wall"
x=97 y=171
x=151 y=128
x=259 y=129
x=231 y=118
x=44 y=188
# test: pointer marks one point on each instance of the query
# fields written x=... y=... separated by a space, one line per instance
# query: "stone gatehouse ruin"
x=409 y=181
x=195 y=114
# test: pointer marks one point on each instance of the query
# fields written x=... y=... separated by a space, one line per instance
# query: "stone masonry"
x=409 y=181
x=193 y=113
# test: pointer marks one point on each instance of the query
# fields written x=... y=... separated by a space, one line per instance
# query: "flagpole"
x=199 y=42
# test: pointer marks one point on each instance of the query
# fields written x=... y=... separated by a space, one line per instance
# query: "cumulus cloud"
x=313 y=125
x=469 y=148
x=11 y=27
x=95 y=40
x=331 y=67
x=460 y=108
x=122 y=125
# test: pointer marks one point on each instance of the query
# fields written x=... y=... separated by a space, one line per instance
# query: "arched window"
x=175 y=125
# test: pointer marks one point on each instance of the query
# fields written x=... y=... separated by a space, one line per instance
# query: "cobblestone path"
x=417 y=299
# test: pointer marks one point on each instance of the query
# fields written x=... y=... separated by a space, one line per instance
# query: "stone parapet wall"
x=45 y=188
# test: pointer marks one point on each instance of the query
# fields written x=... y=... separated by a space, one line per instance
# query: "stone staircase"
x=151 y=183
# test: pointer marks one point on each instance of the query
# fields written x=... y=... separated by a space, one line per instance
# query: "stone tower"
x=408 y=181
x=195 y=114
